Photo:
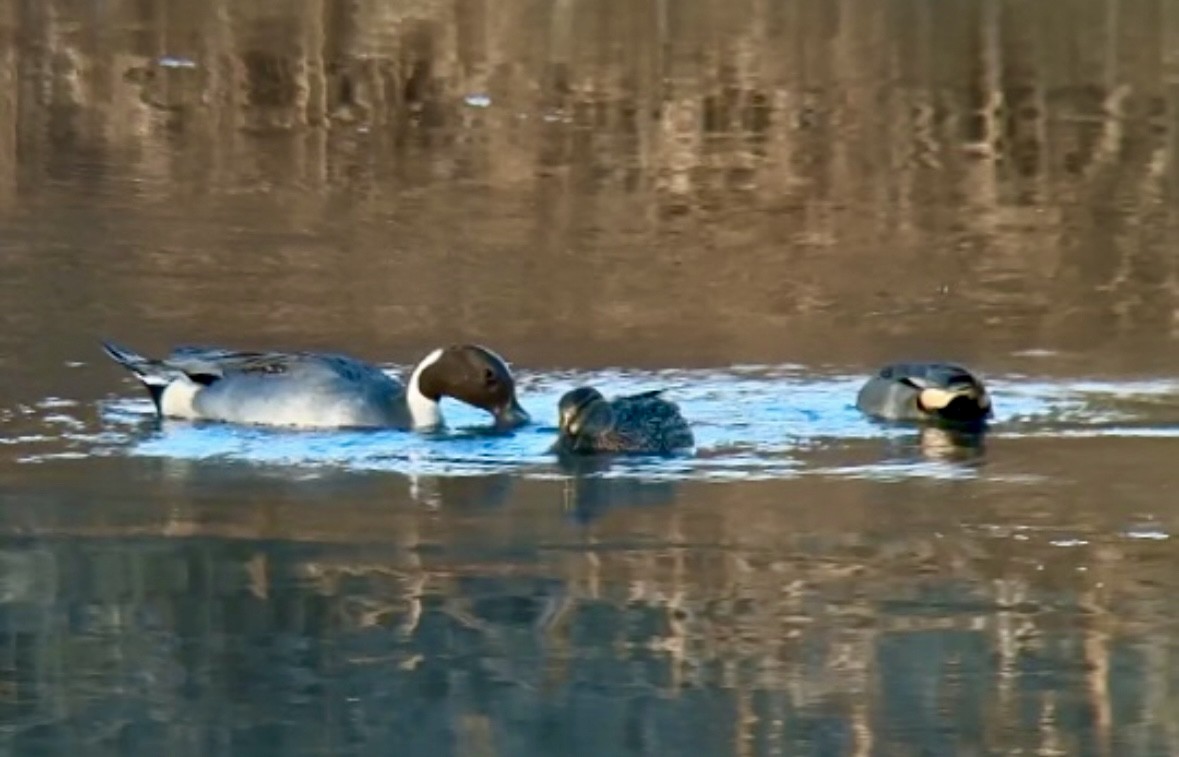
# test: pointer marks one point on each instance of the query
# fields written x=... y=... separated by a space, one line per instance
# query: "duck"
x=928 y=392
x=644 y=423
x=321 y=390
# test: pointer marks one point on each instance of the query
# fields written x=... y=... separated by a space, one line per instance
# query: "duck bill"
x=511 y=416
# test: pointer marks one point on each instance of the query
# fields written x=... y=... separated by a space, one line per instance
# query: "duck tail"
x=155 y=375
x=150 y=372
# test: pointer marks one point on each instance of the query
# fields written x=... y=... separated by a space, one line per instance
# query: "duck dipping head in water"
x=322 y=390
x=476 y=376
x=930 y=392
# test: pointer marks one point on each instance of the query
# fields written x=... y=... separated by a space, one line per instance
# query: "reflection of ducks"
x=449 y=491
x=940 y=393
x=511 y=603
x=322 y=390
x=588 y=495
x=635 y=424
x=950 y=445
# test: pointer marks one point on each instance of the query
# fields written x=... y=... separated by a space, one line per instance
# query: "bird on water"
x=322 y=390
x=644 y=423
x=930 y=392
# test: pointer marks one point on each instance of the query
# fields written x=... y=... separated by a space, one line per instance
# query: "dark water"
x=749 y=203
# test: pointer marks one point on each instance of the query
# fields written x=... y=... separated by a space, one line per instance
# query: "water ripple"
x=751 y=422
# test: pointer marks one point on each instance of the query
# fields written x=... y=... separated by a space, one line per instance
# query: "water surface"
x=751 y=205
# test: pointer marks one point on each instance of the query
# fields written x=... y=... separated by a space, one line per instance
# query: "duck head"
x=472 y=374
x=582 y=409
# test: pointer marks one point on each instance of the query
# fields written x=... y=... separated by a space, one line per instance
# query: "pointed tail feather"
x=153 y=374
x=150 y=372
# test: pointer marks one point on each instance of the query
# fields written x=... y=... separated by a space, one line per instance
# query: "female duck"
x=939 y=393
x=639 y=423
x=320 y=390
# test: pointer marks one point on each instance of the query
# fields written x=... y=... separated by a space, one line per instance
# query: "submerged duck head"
x=582 y=409
x=944 y=392
x=930 y=392
x=961 y=399
x=472 y=374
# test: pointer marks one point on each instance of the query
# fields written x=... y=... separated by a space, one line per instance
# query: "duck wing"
x=649 y=420
x=643 y=409
x=207 y=364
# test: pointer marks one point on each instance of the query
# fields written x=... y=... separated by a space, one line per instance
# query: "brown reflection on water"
x=611 y=182
x=822 y=616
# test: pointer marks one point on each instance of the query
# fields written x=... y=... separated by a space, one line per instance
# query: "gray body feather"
x=274 y=388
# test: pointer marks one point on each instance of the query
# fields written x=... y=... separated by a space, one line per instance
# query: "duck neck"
x=424 y=411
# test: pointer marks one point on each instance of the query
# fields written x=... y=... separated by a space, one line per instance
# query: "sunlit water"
x=270 y=591
x=750 y=422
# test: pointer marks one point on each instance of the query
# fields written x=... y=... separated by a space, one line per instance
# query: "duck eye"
x=489 y=377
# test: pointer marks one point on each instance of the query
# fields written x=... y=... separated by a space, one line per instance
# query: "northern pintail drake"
x=639 y=423
x=931 y=392
x=322 y=390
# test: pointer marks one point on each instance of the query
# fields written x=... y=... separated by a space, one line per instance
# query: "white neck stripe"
x=423 y=410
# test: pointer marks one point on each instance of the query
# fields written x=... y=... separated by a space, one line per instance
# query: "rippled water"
x=751 y=205
x=751 y=423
